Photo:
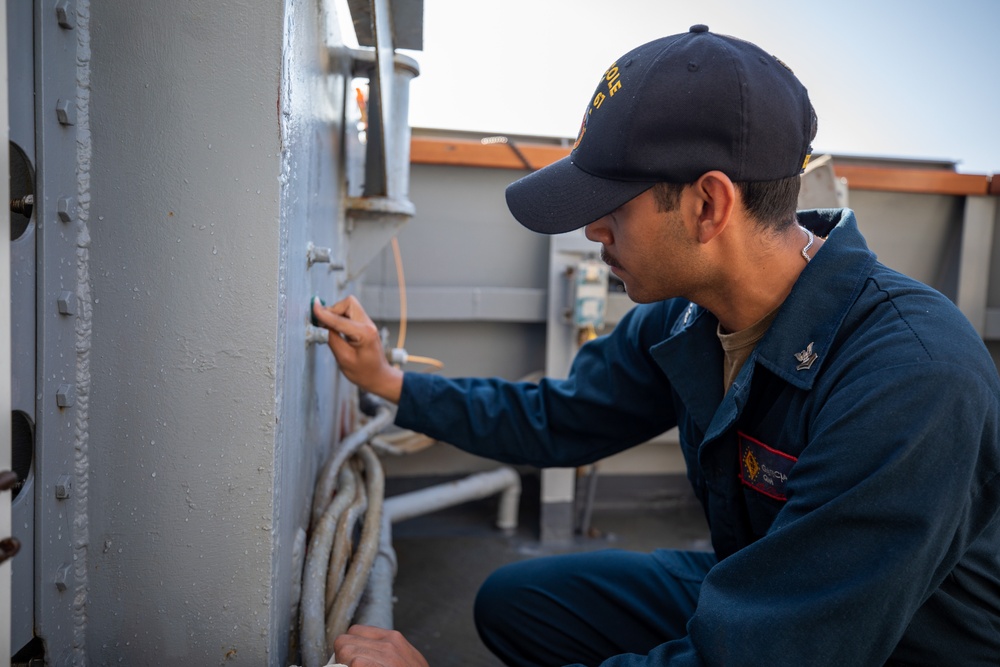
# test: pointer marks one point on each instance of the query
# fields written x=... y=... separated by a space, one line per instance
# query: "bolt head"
x=66 y=14
x=64 y=487
x=66 y=112
x=62 y=578
x=65 y=395
x=66 y=208
x=66 y=303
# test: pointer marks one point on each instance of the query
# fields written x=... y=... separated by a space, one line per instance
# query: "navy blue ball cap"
x=562 y=197
x=671 y=110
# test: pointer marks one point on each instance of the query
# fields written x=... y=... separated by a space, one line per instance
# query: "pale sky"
x=915 y=79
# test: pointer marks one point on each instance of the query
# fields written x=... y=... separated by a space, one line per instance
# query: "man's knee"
x=495 y=608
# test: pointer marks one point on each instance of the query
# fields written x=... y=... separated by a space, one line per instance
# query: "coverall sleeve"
x=614 y=397
x=897 y=482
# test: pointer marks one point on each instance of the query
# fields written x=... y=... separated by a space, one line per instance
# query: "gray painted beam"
x=974 y=266
x=493 y=304
x=61 y=118
x=991 y=328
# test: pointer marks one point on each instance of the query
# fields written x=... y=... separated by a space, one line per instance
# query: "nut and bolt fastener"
x=64 y=487
x=23 y=205
x=317 y=335
x=319 y=255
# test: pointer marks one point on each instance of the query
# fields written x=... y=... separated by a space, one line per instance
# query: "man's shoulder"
x=902 y=319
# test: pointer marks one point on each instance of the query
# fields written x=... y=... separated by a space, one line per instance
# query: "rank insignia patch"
x=763 y=468
x=806 y=358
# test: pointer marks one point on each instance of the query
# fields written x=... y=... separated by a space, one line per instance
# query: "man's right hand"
x=357 y=346
x=366 y=646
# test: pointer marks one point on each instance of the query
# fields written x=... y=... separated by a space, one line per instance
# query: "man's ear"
x=714 y=199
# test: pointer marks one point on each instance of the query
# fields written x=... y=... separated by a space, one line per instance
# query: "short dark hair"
x=771 y=204
x=668 y=195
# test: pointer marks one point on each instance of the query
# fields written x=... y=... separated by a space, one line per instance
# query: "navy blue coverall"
x=849 y=478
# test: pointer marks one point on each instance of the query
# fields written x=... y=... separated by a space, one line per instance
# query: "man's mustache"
x=608 y=259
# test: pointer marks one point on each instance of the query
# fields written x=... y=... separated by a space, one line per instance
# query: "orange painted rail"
x=471 y=153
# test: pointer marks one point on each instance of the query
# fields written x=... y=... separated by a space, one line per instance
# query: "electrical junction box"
x=591 y=294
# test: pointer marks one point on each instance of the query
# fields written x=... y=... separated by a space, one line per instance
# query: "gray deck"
x=443 y=557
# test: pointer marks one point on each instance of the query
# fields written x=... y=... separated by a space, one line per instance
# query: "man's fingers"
x=350 y=308
x=348 y=327
x=368 y=631
x=366 y=645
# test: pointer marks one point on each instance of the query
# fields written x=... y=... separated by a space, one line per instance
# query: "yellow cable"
x=430 y=361
x=401 y=280
x=398 y=258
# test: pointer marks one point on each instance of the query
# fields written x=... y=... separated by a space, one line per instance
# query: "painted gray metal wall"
x=215 y=135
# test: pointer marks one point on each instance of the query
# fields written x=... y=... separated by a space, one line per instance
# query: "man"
x=839 y=421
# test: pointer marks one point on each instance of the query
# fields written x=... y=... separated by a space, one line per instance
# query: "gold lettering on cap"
x=613 y=79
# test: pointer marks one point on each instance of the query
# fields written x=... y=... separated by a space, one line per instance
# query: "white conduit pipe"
x=375 y=566
x=328 y=516
x=473 y=487
x=327 y=483
x=343 y=547
x=312 y=614
x=349 y=594
x=376 y=606
x=333 y=595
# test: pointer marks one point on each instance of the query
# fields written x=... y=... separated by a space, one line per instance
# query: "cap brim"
x=562 y=197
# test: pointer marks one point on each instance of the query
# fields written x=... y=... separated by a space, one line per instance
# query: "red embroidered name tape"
x=764 y=468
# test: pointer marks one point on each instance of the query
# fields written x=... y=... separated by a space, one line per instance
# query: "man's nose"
x=598 y=231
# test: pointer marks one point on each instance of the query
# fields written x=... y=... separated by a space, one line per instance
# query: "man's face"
x=652 y=251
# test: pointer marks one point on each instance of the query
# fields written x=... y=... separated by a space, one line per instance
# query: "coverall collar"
x=796 y=345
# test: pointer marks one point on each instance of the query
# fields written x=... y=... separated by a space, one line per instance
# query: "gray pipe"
x=376 y=603
x=473 y=487
x=376 y=606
